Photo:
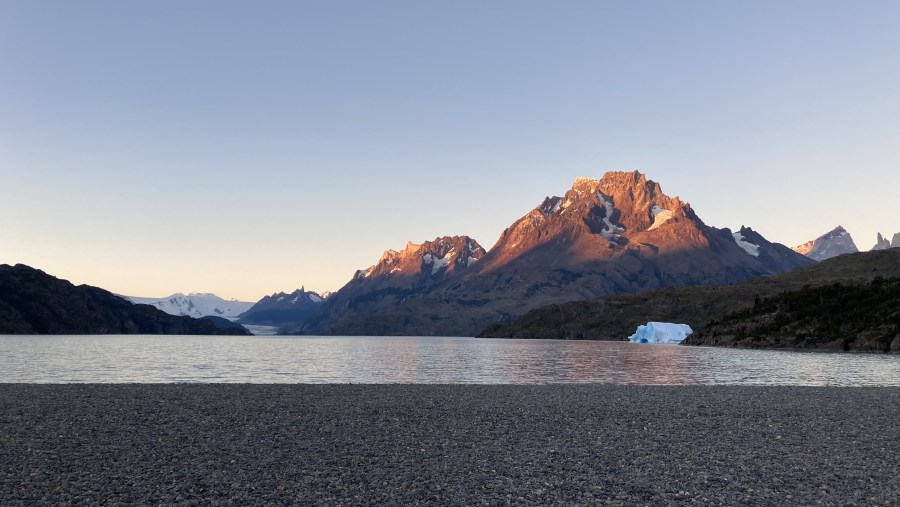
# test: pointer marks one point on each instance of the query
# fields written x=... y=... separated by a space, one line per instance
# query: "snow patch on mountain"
x=748 y=247
x=439 y=263
x=611 y=230
x=660 y=216
x=195 y=305
x=552 y=205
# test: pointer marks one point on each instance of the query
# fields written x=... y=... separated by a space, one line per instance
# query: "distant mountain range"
x=276 y=310
x=883 y=244
x=831 y=244
x=33 y=302
x=619 y=234
x=196 y=305
x=838 y=242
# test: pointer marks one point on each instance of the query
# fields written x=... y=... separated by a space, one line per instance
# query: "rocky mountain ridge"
x=281 y=308
x=430 y=259
x=883 y=244
x=619 y=234
x=397 y=277
x=831 y=244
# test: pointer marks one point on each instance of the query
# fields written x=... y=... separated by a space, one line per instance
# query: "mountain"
x=280 y=308
x=397 y=276
x=616 y=317
x=883 y=244
x=619 y=234
x=196 y=305
x=421 y=264
x=33 y=302
x=831 y=244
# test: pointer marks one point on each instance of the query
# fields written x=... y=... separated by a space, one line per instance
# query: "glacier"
x=195 y=304
x=660 y=216
x=661 y=332
x=748 y=247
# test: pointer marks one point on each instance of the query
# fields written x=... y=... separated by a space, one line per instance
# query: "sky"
x=245 y=148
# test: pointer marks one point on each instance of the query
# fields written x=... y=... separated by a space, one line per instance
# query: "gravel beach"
x=448 y=445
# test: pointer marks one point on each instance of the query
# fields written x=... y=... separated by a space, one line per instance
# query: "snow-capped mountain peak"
x=195 y=304
x=598 y=218
x=442 y=255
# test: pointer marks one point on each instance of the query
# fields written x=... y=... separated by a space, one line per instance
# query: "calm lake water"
x=420 y=360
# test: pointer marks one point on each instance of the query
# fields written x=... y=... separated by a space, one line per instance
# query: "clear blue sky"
x=244 y=148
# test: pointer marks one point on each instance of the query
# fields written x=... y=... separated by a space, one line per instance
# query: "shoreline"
x=448 y=444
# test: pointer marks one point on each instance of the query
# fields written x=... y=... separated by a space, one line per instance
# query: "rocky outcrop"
x=619 y=234
x=831 y=244
x=33 y=302
x=882 y=243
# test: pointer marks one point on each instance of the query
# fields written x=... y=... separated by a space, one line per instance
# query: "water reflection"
x=419 y=360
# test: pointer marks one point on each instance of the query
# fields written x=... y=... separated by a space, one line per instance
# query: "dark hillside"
x=33 y=302
x=616 y=317
x=858 y=316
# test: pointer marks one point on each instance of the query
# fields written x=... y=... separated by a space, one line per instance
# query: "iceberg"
x=661 y=332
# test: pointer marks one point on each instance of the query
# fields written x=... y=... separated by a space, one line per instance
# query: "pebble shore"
x=447 y=445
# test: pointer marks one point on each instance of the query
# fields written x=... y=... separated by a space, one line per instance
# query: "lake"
x=420 y=360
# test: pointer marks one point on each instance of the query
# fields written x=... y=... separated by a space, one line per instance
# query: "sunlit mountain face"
x=618 y=234
x=831 y=244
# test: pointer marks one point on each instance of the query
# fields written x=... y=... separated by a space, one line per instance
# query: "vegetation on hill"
x=616 y=317
x=33 y=302
x=857 y=316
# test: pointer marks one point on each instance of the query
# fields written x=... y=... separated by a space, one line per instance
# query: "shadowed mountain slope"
x=280 y=308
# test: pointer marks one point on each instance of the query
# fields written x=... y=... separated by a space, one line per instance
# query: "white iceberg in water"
x=661 y=332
